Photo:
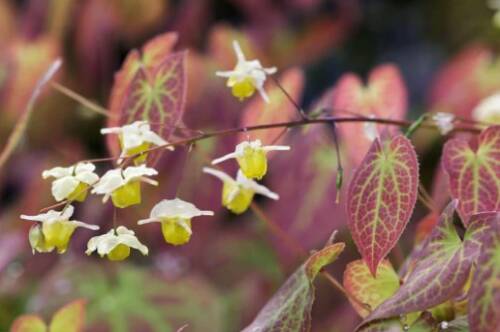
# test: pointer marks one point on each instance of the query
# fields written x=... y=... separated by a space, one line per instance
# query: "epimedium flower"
x=116 y=244
x=175 y=217
x=444 y=122
x=124 y=185
x=136 y=138
x=55 y=231
x=71 y=182
x=247 y=76
x=488 y=110
x=251 y=157
x=238 y=194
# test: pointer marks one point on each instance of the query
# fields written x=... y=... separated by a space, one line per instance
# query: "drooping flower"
x=55 y=231
x=247 y=76
x=237 y=194
x=175 y=217
x=136 y=138
x=488 y=110
x=116 y=244
x=71 y=182
x=124 y=186
x=444 y=122
x=251 y=157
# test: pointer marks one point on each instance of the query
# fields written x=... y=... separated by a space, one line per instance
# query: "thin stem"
x=289 y=97
x=340 y=170
x=82 y=100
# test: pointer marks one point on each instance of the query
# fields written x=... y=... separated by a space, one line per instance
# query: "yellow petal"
x=57 y=234
x=127 y=195
x=243 y=89
x=236 y=202
x=80 y=193
x=119 y=253
x=253 y=163
x=174 y=233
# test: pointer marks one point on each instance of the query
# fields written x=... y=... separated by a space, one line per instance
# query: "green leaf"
x=424 y=323
x=372 y=291
x=28 y=323
x=69 y=318
x=381 y=197
x=289 y=310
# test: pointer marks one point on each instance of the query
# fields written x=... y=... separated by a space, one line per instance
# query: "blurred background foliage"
x=220 y=280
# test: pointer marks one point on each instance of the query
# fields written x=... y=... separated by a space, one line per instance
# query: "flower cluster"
x=237 y=194
x=123 y=186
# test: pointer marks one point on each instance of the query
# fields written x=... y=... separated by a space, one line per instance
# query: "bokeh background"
x=233 y=264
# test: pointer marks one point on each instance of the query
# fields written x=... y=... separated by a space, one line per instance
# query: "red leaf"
x=384 y=96
x=381 y=197
x=474 y=172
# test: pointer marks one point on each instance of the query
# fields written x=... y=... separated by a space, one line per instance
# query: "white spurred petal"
x=218 y=174
x=276 y=148
x=444 y=122
x=228 y=156
x=175 y=208
x=57 y=172
x=255 y=187
x=59 y=216
x=135 y=134
x=105 y=243
x=239 y=53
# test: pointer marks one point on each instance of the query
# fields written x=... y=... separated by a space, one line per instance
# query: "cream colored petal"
x=239 y=53
x=112 y=130
x=148 y=221
x=134 y=172
x=228 y=156
x=63 y=187
x=87 y=177
x=109 y=182
x=176 y=208
x=225 y=74
x=276 y=148
x=84 y=225
x=218 y=174
x=133 y=242
x=254 y=186
x=57 y=172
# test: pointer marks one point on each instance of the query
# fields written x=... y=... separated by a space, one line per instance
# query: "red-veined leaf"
x=28 y=323
x=70 y=318
x=441 y=268
x=474 y=172
x=279 y=108
x=290 y=308
x=360 y=284
x=384 y=96
x=484 y=295
x=154 y=55
x=424 y=323
x=381 y=197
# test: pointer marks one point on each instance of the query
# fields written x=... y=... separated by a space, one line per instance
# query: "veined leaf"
x=360 y=284
x=279 y=108
x=158 y=96
x=384 y=95
x=289 y=310
x=69 y=318
x=424 y=323
x=28 y=323
x=441 y=269
x=484 y=295
x=154 y=61
x=474 y=172
x=381 y=197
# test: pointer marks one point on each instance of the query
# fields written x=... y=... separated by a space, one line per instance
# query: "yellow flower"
x=251 y=157
x=124 y=186
x=247 y=76
x=71 y=182
x=237 y=195
x=136 y=138
x=56 y=230
x=116 y=244
x=175 y=217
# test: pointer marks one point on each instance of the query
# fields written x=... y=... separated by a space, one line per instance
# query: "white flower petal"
x=276 y=148
x=109 y=182
x=89 y=178
x=218 y=174
x=57 y=172
x=488 y=109
x=176 y=208
x=84 y=225
x=63 y=187
x=444 y=122
x=239 y=53
x=228 y=156
x=133 y=242
x=255 y=187
x=51 y=215
x=134 y=172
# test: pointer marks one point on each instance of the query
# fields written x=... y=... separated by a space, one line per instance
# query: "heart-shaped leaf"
x=381 y=197
x=289 y=310
x=366 y=289
x=279 y=108
x=384 y=96
x=441 y=270
x=484 y=295
x=474 y=172
x=69 y=318
x=28 y=323
x=150 y=86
